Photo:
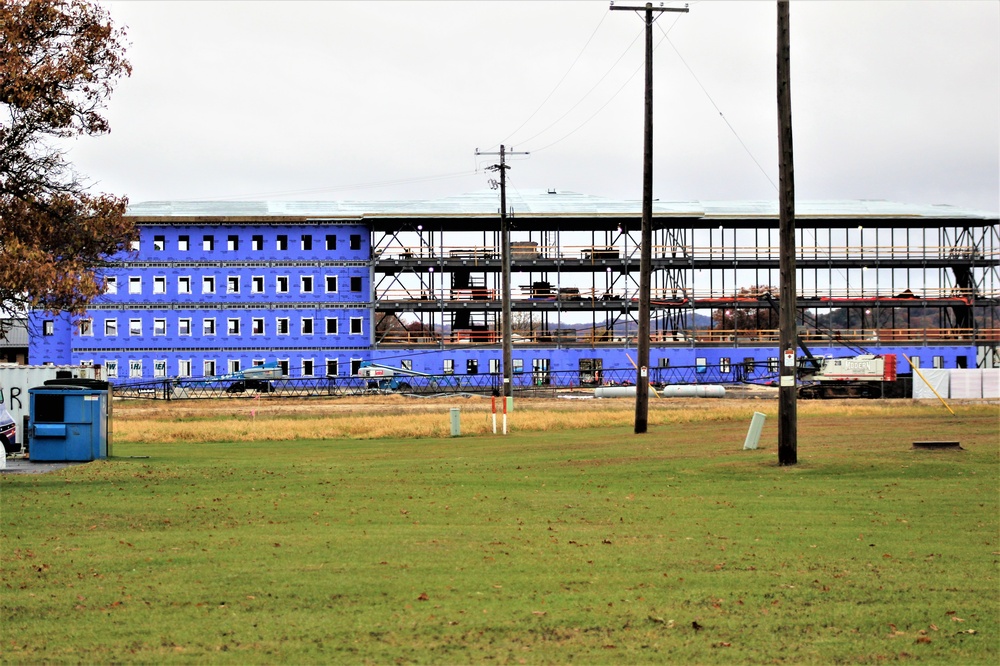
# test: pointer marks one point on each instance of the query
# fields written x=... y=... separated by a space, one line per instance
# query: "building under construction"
x=321 y=287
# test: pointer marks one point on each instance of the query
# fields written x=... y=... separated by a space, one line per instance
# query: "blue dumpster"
x=69 y=423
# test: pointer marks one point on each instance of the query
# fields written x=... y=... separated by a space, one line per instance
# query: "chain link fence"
x=534 y=383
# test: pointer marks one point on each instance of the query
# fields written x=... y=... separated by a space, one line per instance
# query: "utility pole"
x=507 y=389
x=787 y=418
x=645 y=247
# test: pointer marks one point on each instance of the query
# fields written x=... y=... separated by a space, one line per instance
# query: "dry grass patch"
x=393 y=416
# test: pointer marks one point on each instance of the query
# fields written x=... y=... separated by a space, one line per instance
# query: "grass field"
x=571 y=541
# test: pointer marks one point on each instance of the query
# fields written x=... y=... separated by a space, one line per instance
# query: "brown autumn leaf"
x=423 y=597
x=923 y=639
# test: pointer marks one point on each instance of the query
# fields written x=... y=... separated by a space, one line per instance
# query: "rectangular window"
x=257 y=326
x=749 y=363
x=518 y=364
x=158 y=243
x=406 y=364
x=282 y=282
x=208 y=285
x=331 y=325
x=472 y=366
x=700 y=365
x=233 y=284
x=915 y=361
x=331 y=284
x=111 y=285
x=111 y=368
x=494 y=366
x=306 y=284
x=160 y=284
x=233 y=243
x=355 y=241
x=307 y=367
x=135 y=327
x=725 y=365
x=134 y=246
x=135 y=368
x=184 y=284
x=208 y=242
x=160 y=368
x=183 y=243
x=664 y=362
x=283 y=364
x=208 y=368
x=356 y=325
x=257 y=243
x=233 y=326
x=184 y=368
x=184 y=326
x=307 y=242
x=110 y=327
x=282 y=242
x=159 y=327
x=772 y=364
x=48 y=327
x=86 y=327
x=307 y=325
x=257 y=284
x=961 y=361
x=938 y=361
x=448 y=367
x=356 y=283
x=208 y=326
x=135 y=285
x=332 y=367
x=234 y=365
x=282 y=325
x=331 y=242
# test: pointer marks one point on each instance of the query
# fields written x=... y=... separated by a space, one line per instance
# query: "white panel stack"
x=966 y=384
x=937 y=378
x=991 y=383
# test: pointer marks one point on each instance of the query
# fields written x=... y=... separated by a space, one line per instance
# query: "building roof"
x=13 y=333
x=552 y=204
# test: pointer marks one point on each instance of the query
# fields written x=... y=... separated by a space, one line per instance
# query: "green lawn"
x=588 y=546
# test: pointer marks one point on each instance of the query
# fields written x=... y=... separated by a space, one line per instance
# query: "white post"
x=753 y=435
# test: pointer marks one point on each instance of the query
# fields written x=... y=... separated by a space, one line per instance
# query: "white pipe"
x=682 y=391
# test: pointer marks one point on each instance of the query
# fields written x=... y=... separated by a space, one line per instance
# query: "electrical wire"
x=721 y=115
x=585 y=96
x=603 y=106
x=604 y=15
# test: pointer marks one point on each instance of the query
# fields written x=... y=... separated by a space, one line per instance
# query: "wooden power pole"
x=787 y=419
x=507 y=389
x=645 y=246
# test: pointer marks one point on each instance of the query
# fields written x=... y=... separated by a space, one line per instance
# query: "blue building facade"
x=199 y=300
x=214 y=288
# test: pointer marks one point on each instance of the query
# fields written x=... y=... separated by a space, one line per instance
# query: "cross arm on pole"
x=649 y=6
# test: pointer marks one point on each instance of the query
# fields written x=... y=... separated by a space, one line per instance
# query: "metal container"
x=69 y=423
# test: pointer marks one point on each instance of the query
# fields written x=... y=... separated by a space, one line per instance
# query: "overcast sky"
x=389 y=100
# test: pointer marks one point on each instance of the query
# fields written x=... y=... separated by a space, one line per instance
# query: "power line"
x=603 y=106
x=552 y=92
x=716 y=106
